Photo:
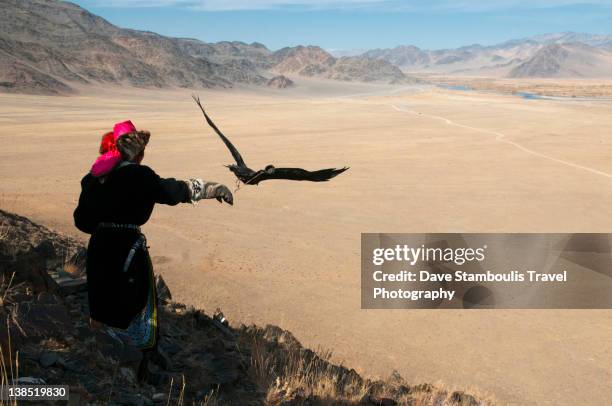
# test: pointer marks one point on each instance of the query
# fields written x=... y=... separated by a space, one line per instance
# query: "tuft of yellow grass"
x=291 y=374
x=6 y=355
x=210 y=399
x=297 y=374
x=4 y=231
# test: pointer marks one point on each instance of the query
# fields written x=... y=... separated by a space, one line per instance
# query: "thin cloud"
x=391 y=5
x=487 y=5
x=213 y=5
x=228 y=5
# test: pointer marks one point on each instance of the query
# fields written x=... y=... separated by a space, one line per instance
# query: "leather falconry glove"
x=200 y=189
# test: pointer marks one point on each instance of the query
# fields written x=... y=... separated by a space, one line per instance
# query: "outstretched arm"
x=172 y=191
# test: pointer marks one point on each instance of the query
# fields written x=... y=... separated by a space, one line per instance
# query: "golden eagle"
x=251 y=177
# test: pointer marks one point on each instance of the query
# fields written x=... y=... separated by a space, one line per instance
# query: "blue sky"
x=357 y=24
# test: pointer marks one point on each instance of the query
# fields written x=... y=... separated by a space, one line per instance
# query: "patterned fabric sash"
x=142 y=331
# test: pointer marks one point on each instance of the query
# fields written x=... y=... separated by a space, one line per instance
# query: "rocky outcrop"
x=361 y=69
x=201 y=359
x=280 y=82
x=18 y=77
x=303 y=60
x=257 y=55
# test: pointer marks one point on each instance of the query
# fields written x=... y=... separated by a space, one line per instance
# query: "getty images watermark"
x=486 y=271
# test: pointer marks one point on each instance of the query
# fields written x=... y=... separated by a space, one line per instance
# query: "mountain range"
x=54 y=47
x=559 y=55
x=49 y=46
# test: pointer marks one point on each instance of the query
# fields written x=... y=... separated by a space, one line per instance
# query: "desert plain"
x=422 y=158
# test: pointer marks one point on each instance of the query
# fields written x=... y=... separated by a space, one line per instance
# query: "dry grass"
x=6 y=287
x=292 y=375
x=4 y=231
x=210 y=399
x=10 y=373
x=440 y=395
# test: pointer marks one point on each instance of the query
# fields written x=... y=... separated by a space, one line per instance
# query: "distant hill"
x=313 y=61
x=565 y=54
x=573 y=37
x=404 y=55
x=280 y=82
x=305 y=61
x=566 y=60
x=355 y=68
x=49 y=46
x=255 y=55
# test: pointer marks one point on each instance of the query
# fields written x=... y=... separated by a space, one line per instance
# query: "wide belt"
x=120 y=226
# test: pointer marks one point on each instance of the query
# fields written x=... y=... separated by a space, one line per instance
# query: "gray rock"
x=48 y=359
x=463 y=399
x=170 y=346
x=227 y=369
x=369 y=400
x=75 y=399
x=42 y=320
x=47 y=298
x=72 y=285
x=163 y=291
x=128 y=374
x=162 y=378
x=161 y=359
x=29 y=380
x=77 y=366
x=133 y=399
x=108 y=346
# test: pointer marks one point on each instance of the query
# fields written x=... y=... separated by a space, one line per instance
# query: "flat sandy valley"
x=422 y=160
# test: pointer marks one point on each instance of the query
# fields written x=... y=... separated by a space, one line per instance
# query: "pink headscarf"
x=109 y=154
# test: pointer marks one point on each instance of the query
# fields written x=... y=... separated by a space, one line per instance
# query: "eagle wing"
x=226 y=141
x=300 y=174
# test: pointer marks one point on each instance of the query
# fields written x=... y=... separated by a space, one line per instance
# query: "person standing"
x=117 y=197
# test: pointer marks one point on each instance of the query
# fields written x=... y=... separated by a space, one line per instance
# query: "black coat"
x=126 y=196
